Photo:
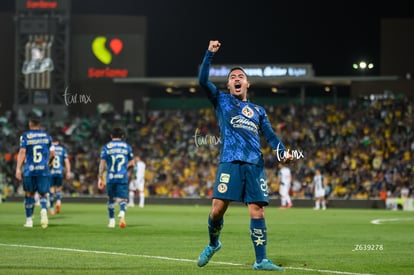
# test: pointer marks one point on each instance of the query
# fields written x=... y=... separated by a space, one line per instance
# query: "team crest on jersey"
x=247 y=112
x=222 y=188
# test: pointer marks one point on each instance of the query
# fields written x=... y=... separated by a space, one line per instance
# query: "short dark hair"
x=236 y=68
x=56 y=138
x=35 y=120
x=117 y=133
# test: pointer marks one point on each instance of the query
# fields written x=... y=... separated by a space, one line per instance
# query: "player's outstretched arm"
x=214 y=46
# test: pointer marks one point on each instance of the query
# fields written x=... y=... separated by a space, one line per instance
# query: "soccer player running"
x=116 y=158
x=240 y=175
x=37 y=151
x=60 y=167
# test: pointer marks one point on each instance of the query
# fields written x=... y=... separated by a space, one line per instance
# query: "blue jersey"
x=58 y=161
x=241 y=122
x=37 y=144
x=117 y=154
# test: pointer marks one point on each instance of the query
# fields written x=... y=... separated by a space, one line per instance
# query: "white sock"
x=131 y=197
x=141 y=199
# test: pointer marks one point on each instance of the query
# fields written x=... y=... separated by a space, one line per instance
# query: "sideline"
x=170 y=259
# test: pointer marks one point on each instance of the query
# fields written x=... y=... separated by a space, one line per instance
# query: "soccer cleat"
x=289 y=205
x=122 y=223
x=58 y=207
x=29 y=223
x=51 y=212
x=267 y=265
x=207 y=253
x=43 y=218
x=111 y=223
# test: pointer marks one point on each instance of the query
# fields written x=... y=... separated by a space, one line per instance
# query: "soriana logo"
x=106 y=51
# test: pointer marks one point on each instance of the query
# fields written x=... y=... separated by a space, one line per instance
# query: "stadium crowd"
x=365 y=148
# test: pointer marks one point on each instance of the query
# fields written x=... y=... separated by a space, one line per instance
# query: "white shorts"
x=319 y=193
x=284 y=190
x=135 y=185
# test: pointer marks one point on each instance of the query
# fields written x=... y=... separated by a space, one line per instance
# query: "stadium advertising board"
x=31 y=5
x=107 y=56
x=400 y=204
x=266 y=70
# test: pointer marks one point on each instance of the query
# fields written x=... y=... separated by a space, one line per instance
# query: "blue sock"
x=111 y=208
x=122 y=205
x=43 y=201
x=58 y=195
x=259 y=238
x=51 y=199
x=29 y=203
x=214 y=229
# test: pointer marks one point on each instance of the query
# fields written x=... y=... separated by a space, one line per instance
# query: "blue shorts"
x=41 y=184
x=241 y=181
x=117 y=190
x=56 y=181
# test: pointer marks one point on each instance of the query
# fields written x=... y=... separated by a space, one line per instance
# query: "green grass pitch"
x=167 y=239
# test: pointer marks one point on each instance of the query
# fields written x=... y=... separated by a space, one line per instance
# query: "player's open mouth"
x=237 y=86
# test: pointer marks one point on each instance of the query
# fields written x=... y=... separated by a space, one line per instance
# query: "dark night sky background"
x=331 y=35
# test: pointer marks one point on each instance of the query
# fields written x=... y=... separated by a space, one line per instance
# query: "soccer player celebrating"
x=116 y=157
x=37 y=150
x=60 y=167
x=240 y=175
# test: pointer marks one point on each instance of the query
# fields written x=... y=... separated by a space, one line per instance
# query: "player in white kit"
x=285 y=181
x=137 y=183
x=319 y=184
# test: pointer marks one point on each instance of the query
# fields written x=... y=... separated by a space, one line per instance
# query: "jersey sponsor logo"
x=36 y=167
x=116 y=144
x=224 y=178
x=242 y=122
x=37 y=141
x=222 y=188
x=247 y=112
x=55 y=172
x=115 y=176
x=36 y=135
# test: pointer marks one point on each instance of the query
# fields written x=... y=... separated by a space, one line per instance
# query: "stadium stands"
x=364 y=148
